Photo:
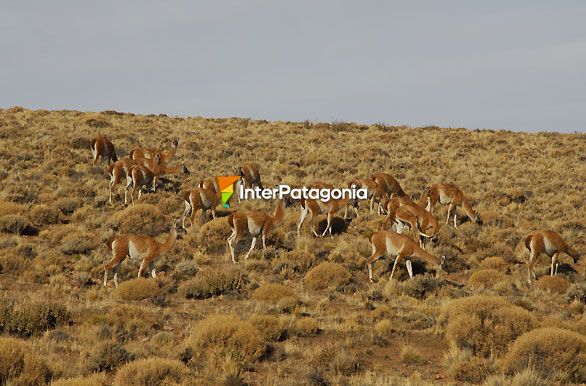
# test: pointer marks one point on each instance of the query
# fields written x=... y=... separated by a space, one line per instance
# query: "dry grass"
x=555 y=284
x=20 y=365
x=152 y=371
x=55 y=221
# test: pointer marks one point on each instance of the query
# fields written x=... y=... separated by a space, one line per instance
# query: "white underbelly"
x=253 y=227
x=392 y=248
x=133 y=251
x=444 y=198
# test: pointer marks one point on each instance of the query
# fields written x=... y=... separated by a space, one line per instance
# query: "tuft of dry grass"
x=327 y=275
x=485 y=278
x=152 y=371
x=411 y=356
x=272 y=293
x=137 y=289
x=551 y=352
x=485 y=324
x=96 y=379
x=20 y=365
x=208 y=283
x=31 y=317
x=554 y=284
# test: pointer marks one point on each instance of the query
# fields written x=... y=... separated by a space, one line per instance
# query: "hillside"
x=302 y=311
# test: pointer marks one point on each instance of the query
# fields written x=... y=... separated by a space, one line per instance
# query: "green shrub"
x=20 y=365
x=210 y=283
x=486 y=325
x=137 y=289
x=327 y=274
x=549 y=351
x=152 y=371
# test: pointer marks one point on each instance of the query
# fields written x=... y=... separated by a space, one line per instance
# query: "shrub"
x=485 y=278
x=78 y=242
x=327 y=274
x=137 y=289
x=472 y=370
x=577 y=291
x=13 y=264
x=97 y=379
x=68 y=205
x=272 y=293
x=486 y=325
x=227 y=336
x=17 y=224
x=144 y=219
x=32 y=317
x=212 y=236
x=186 y=268
x=271 y=327
x=494 y=262
x=151 y=371
x=19 y=364
x=549 y=351
x=44 y=215
x=210 y=283
x=410 y=356
x=305 y=327
x=420 y=287
x=107 y=356
x=556 y=284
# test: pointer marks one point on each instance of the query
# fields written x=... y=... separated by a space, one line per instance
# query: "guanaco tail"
x=550 y=243
x=254 y=223
x=402 y=246
x=138 y=247
x=451 y=195
x=103 y=148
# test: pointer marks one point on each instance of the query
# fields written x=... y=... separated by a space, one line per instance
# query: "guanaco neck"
x=170 y=242
x=424 y=255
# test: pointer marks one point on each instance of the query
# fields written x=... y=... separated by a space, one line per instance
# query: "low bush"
x=577 y=291
x=97 y=379
x=20 y=365
x=326 y=275
x=152 y=371
x=28 y=318
x=555 y=284
x=211 y=237
x=485 y=278
x=68 y=205
x=106 y=356
x=44 y=215
x=410 y=356
x=137 y=289
x=305 y=327
x=78 y=242
x=227 y=336
x=143 y=219
x=420 y=287
x=17 y=224
x=271 y=327
x=472 y=370
x=494 y=262
x=484 y=324
x=211 y=282
x=549 y=351
x=271 y=293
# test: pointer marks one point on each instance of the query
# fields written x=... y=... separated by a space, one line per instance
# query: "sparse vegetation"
x=304 y=305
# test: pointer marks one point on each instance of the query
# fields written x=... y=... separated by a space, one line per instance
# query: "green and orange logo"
x=226 y=185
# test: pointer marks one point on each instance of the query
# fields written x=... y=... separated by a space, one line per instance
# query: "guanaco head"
x=575 y=255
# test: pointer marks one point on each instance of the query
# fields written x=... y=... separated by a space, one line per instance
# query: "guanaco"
x=139 y=178
x=103 y=148
x=249 y=177
x=550 y=243
x=197 y=199
x=451 y=195
x=159 y=168
x=402 y=246
x=209 y=183
x=330 y=208
x=375 y=192
x=254 y=223
x=389 y=185
x=150 y=152
x=403 y=212
x=138 y=247
x=118 y=171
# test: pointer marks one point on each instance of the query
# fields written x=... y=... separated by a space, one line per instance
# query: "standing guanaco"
x=402 y=246
x=330 y=208
x=451 y=195
x=254 y=223
x=550 y=243
x=138 y=247
x=402 y=211
x=197 y=199
x=249 y=177
x=118 y=171
x=103 y=148
x=375 y=192
x=139 y=178
x=150 y=152
x=389 y=185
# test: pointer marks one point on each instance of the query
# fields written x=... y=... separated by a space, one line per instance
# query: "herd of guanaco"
x=143 y=165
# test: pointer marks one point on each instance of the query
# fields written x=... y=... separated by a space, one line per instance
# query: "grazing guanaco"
x=150 y=152
x=118 y=171
x=254 y=223
x=197 y=199
x=402 y=246
x=375 y=192
x=329 y=208
x=402 y=211
x=550 y=243
x=389 y=185
x=451 y=195
x=103 y=148
x=138 y=247
x=158 y=168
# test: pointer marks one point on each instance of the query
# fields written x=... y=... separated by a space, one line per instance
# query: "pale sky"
x=518 y=65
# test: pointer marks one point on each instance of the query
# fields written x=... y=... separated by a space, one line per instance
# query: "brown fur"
x=388 y=184
x=550 y=243
x=403 y=211
x=103 y=148
x=453 y=197
x=197 y=199
x=250 y=175
x=151 y=152
x=146 y=247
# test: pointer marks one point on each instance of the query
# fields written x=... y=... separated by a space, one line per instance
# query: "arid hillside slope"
x=302 y=311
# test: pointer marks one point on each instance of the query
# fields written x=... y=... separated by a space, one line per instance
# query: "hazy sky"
x=518 y=65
